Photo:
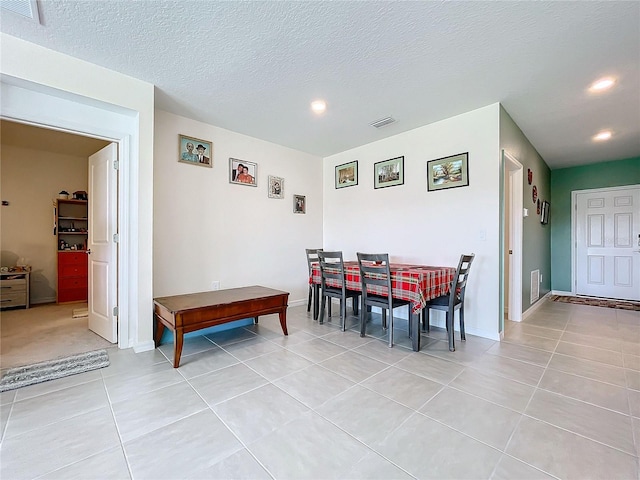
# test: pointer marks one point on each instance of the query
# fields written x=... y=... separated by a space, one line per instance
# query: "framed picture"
x=276 y=187
x=448 y=172
x=195 y=151
x=388 y=173
x=544 y=216
x=299 y=204
x=243 y=172
x=347 y=174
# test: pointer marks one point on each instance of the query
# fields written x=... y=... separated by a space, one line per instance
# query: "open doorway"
x=37 y=164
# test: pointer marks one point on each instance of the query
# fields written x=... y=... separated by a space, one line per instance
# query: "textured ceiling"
x=254 y=67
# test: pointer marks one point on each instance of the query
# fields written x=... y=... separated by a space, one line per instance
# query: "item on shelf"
x=80 y=195
x=63 y=195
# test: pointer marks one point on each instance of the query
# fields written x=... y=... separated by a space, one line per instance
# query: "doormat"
x=80 y=312
x=597 y=302
x=51 y=370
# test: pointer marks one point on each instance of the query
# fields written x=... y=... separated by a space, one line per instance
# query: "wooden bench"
x=195 y=311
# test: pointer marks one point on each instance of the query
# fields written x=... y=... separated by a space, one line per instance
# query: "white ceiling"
x=254 y=67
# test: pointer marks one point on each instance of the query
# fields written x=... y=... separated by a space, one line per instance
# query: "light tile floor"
x=560 y=397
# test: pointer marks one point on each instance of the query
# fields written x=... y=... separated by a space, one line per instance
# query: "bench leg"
x=159 y=331
x=283 y=320
x=178 y=339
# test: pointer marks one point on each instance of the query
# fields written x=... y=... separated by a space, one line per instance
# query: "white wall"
x=433 y=228
x=61 y=77
x=30 y=180
x=207 y=229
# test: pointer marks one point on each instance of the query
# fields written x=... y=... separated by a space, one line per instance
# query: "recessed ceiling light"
x=602 y=84
x=602 y=136
x=318 y=106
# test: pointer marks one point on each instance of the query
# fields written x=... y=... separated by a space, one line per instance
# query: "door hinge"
x=116 y=164
x=116 y=238
x=115 y=311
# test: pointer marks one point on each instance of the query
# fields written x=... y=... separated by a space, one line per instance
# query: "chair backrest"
x=312 y=257
x=332 y=267
x=375 y=272
x=459 y=283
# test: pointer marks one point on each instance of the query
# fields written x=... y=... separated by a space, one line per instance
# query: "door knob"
x=89 y=251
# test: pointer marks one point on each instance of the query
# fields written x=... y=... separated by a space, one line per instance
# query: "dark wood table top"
x=180 y=303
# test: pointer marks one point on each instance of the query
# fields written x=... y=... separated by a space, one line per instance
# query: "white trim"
x=562 y=293
x=516 y=204
x=46 y=107
x=535 y=306
x=297 y=303
x=144 y=346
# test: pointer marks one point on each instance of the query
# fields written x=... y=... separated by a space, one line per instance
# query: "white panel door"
x=102 y=247
x=608 y=243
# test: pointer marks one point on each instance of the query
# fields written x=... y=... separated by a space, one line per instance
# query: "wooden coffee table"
x=195 y=311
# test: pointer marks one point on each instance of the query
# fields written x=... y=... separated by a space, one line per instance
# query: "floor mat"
x=62 y=367
x=597 y=302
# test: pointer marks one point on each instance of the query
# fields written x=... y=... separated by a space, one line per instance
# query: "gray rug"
x=44 y=371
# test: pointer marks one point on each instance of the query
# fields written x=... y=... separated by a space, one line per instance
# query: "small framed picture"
x=347 y=174
x=276 y=187
x=195 y=151
x=448 y=172
x=242 y=172
x=388 y=173
x=299 y=204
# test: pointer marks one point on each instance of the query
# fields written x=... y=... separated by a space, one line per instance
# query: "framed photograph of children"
x=448 y=172
x=299 y=204
x=243 y=172
x=276 y=187
x=388 y=173
x=347 y=174
x=195 y=151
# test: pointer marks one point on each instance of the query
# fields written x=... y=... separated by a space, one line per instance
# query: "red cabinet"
x=72 y=277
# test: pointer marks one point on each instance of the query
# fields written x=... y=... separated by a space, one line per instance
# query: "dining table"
x=416 y=283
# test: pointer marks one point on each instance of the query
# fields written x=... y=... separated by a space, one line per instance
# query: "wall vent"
x=535 y=286
x=383 y=122
x=25 y=8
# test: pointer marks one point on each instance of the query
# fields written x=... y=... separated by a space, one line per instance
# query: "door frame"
x=513 y=171
x=46 y=107
x=574 y=226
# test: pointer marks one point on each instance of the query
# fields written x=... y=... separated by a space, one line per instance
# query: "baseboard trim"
x=144 y=346
x=562 y=294
x=535 y=306
x=297 y=303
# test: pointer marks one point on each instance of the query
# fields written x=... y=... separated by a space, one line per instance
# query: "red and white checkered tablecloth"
x=416 y=283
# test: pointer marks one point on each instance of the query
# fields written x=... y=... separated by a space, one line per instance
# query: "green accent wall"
x=563 y=182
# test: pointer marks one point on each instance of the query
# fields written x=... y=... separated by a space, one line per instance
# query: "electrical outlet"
x=215 y=285
x=540 y=278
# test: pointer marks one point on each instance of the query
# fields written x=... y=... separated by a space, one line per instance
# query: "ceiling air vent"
x=25 y=8
x=382 y=122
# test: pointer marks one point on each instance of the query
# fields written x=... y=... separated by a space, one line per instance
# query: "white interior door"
x=608 y=243
x=514 y=178
x=102 y=247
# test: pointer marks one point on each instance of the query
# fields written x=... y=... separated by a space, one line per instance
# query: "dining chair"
x=312 y=257
x=452 y=301
x=375 y=278
x=332 y=269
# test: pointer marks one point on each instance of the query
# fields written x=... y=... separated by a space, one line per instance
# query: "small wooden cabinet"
x=14 y=289
x=72 y=224
x=72 y=277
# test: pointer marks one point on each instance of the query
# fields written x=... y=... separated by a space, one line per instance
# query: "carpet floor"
x=597 y=302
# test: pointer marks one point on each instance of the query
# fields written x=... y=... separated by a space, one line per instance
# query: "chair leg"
x=363 y=321
x=343 y=314
x=329 y=306
x=355 y=305
x=321 y=314
x=426 y=324
x=309 y=301
x=450 y=332
x=461 y=313
x=384 y=319
x=390 y=328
